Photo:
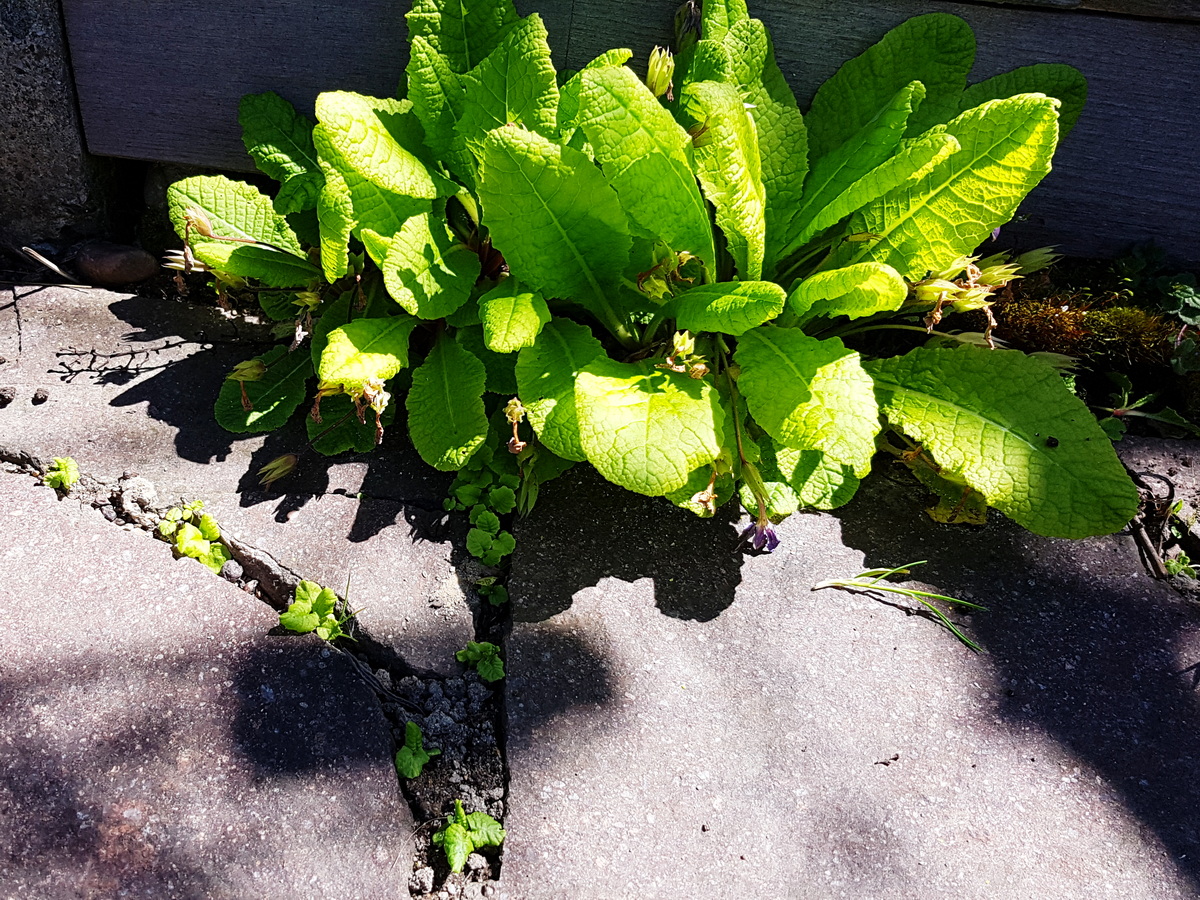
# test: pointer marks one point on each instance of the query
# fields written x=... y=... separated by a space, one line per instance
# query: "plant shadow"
x=586 y=529
x=1084 y=646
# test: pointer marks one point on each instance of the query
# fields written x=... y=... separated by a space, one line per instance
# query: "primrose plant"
x=683 y=281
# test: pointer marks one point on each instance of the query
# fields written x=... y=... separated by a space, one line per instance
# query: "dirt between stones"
x=461 y=716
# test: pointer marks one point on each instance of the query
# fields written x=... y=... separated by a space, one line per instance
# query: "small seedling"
x=61 y=474
x=195 y=534
x=412 y=757
x=484 y=657
x=1181 y=565
x=873 y=580
x=463 y=834
x=496 y=594
x=314 y=609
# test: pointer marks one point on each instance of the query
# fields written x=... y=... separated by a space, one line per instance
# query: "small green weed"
x=463 y=834
x=873 y=580
x=484 y=657
x=496 y=593
x=412 y=757
x=315 y=609
x=195 y=534
x=61 y=474
x=1180 y=565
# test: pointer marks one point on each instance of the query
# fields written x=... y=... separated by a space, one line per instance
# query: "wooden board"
x=160 y=80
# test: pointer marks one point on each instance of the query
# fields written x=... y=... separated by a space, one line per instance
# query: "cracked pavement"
x=682 y=719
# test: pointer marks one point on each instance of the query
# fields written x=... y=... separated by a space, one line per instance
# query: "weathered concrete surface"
x=694 y=723
x=47 y=178
x=159 y=743
x=130 y=383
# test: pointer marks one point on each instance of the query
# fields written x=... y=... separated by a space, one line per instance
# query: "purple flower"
x=761 y=536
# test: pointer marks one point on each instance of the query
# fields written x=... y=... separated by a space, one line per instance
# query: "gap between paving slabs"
x=460 y=715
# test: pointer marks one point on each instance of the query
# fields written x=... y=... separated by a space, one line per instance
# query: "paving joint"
x=131 y=502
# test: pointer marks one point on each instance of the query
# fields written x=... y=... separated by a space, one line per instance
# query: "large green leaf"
x=233 y=209
x=782 y=135
x=464 y=32
x=817 y=480
x=862 y=289
x=426 y=269
x=728 y=165
x=559 y=225
x=1009 y=426
x=809 y=394
x=732 y=307
x=925 y=224
x=644 y=154
x=719 y=16
x=371 y=179
x=437 y=95
x=511 y=317
x=546 y=373
x=446 y=418
x=1064 y=83
x=499 y=368
x=272 y=267
x=515 y=84
x=280 y=141
x=937 y=50
x=273 y=398
x=568 y=98
x=873 y=144
x=334 y=314
x=364 y=352
x=916 y=160
x=340 y=429
x=644 y=428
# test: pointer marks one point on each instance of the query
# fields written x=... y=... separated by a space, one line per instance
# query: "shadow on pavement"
x=1083 y=645
x=587 y=529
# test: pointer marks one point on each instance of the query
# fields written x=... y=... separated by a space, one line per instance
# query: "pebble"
x=109 y=264
x=40 y=396
x=232 y=571
x=475 y=862
x=421 y=881
x=7 y=394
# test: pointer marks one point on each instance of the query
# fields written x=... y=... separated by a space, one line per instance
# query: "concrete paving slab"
x=129 y=383
x=686 y=721
x=158 y=742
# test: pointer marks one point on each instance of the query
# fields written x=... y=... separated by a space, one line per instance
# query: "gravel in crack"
x=458 y=717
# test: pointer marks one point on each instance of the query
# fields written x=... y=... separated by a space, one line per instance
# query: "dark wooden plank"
x=161 y=79
x=1168 y=10
x=1126 y=173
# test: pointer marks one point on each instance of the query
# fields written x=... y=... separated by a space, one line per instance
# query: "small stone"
x=113 y=264
x=250 y=586
x=40 y=396
x=109 y=513
x=421 y=881
x=7 y=395
x=475 y=862
x=232 y=571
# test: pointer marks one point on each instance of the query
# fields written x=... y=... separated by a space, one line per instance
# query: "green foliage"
x=463 y=834
x=412 y=757
x=509 y=230
x=314 y=609
x=195 y=534
x=61 y=474
x=484 y=658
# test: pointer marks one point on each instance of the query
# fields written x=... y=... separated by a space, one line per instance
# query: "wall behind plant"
x=160 y=80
